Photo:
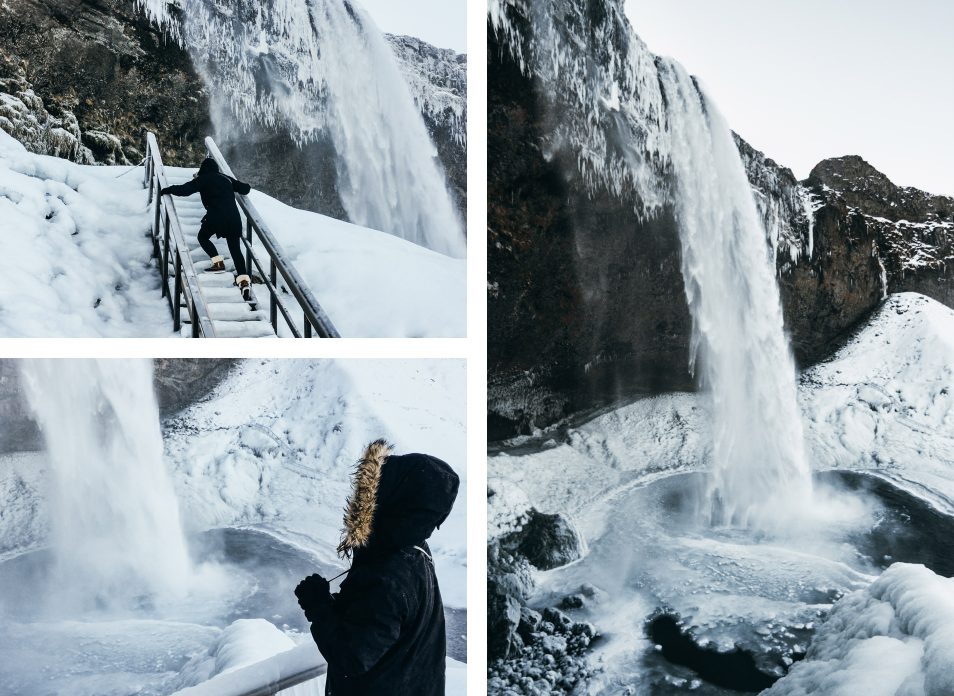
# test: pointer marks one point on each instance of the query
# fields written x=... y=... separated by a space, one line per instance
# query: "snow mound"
x=885 y=400
x=244 y=642
x=894 y=638
x=76 y=261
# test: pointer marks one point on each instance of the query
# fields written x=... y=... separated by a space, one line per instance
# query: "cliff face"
x=586 y=304
x=85 y=79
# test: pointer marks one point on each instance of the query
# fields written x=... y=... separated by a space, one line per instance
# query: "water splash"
x=739 y=348
x=322 y=69
x=116 y=533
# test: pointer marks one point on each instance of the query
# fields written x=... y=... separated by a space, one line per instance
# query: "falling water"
x=321 y=68
x=115 y=523
x=739 y=348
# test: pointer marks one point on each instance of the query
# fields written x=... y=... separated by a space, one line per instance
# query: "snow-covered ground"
x=267 y=456
x=78 y=260
x=629 y=481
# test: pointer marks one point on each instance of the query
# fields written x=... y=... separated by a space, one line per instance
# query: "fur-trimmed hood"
x=396 y=500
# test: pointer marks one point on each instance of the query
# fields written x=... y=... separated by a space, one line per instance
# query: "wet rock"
x=548 y=541
x=503 y=617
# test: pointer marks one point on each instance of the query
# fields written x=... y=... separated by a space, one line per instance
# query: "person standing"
x=383 y=633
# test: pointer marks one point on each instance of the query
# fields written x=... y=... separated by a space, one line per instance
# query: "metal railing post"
x=168 y=240
x=177 y=311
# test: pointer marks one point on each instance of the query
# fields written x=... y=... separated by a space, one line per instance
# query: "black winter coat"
x=218 y=197
x=383 y=633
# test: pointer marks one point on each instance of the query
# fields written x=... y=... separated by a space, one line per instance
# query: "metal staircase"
x=207 y=305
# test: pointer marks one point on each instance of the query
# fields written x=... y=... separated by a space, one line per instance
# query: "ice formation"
x=894 y=638
x=116 y=532
x=640 y=124
x=322 y=69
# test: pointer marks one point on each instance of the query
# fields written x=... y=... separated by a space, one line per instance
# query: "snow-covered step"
x=243 y=329
x=233 y=311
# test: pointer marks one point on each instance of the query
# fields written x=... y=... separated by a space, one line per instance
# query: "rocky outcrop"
x=85 y=80
x=914 y=229
x=532 y=651
x=586 y=305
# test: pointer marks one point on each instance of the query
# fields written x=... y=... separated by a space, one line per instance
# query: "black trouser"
x=234 y=242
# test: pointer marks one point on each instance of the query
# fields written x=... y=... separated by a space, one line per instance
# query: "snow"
x=371 y=284
x=78 y=260
x=895 y=637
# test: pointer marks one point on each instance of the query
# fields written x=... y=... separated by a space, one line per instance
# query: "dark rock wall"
x=100 y=70
x=585 y=299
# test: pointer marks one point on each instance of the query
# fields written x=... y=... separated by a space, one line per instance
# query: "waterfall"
x=116 y=533
x=739 y=348
x=322 y=69
x=640 y=128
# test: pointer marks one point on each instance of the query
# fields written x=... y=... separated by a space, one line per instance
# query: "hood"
x=209 y=166
x=396 y=500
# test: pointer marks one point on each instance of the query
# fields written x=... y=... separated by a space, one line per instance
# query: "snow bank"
x=76 y=258
x=885 y=401
x=370 y=283
x=895 y=638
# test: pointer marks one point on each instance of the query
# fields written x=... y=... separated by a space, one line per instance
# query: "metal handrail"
x=167 y=238
x=315 y=320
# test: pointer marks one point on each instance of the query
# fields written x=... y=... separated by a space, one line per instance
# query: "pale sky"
x=803 y=80
x=442 y=23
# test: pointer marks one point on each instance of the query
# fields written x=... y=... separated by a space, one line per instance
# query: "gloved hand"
x=163 y=191
x=313 y=593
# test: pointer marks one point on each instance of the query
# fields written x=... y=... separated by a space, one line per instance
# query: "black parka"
x=218 y=197
x=383 y=633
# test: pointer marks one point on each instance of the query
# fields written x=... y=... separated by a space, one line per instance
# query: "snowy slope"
x=78 y=260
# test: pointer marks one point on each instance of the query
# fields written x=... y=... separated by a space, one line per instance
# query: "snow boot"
x=245 y=285
x=218 y=264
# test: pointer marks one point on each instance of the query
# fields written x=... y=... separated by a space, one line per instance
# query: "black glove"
x=314 y=594
x=164 y=191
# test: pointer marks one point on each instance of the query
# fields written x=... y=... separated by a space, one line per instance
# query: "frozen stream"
x=748 y=602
